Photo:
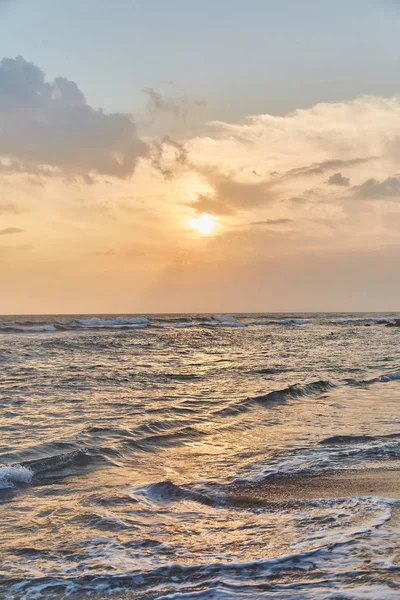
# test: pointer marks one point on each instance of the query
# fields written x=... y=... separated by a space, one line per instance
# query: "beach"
x=384 y=483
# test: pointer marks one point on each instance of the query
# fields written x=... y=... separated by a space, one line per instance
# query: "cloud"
x=182 y=108
x=319 y=168
x=372 y=188
x=156 y=102
x=338 y=179
x=231 y=195
x=272 y=222
x=8 y=167
x=10 y=230
x=268 y=159
x=210 y=205
x=157 y=150
x=50 y=126
x=8 y=207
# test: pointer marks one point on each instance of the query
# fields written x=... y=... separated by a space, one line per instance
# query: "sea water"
x=121 y=434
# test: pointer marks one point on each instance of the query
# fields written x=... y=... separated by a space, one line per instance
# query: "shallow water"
x=120 y=436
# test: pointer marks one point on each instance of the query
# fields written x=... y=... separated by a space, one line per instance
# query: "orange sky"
x=99 y=213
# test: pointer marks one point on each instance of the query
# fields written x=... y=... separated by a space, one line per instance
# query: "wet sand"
x=383 y=482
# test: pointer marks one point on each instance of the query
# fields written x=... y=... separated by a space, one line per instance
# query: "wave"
x=224 y=319
x=277 y=397
x=281 y=322
x=173 y=438
x=165 y=578
x=44 y=461
x=335 y=457
x=117 y=321
x=62 y=463
x=385 y=378
x=270 y=371
x=174 y=324
x=9 y=475
x=57 y=462
x=356 y=439
x=297 y=391
x=234 y=324
x=178 y=322
x=182 y=322
x=322 y=567
x=291 y=576
x=362 y=321
x=29 y=329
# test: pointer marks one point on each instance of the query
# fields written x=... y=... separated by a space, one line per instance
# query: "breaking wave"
x=62 y=464
x=53 y=324
x=14 y=474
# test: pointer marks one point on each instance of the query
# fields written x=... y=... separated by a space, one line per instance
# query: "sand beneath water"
x=383 y=482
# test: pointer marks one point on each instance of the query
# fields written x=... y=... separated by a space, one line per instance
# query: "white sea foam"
x=224 y=319
x=332 y=458
x=98 y=322
x=128 y=326
x=14 y=474
x=37 y=328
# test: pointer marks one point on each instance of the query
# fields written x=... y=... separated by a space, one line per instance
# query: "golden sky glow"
x=272 y=213
x=204 y=224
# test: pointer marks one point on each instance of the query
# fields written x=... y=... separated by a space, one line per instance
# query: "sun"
x=204 y=224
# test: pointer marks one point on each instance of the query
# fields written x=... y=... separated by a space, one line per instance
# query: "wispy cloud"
x=157 y=149
x=156 y=102
x=9 y=207
x=319 y=168
x=272 y=222
x=10 y=230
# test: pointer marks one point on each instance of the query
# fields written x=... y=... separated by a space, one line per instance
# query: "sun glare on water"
x=205 y=224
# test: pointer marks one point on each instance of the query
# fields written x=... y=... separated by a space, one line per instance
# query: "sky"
x=174 y=156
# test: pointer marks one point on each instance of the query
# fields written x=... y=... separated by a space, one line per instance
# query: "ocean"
x=123 y=436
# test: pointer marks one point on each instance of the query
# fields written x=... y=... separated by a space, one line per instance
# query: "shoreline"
x=379 y=482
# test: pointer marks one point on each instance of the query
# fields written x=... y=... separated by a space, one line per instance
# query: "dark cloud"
x=50 y=125
x=272 y=222
x=338 y=179
x=372 y=188
x=8 y=167
x=10 y=230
